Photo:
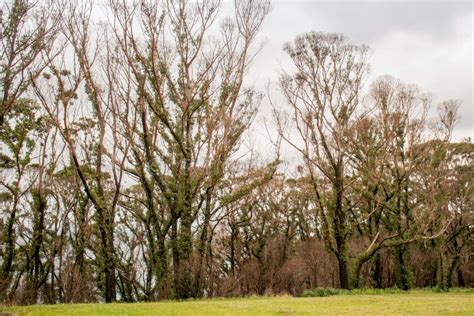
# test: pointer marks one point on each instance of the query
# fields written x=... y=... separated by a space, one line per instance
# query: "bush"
x=322 y=292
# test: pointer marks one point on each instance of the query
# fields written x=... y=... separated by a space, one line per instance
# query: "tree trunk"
x=377 y=274
x=442 y=269
x=343 y=272
x=108 y=261
x=39 y=206
x=9 y=254
x=339 y=230
x=454 y=267
x=185 y=287
x=461 y=282
x=403 y=278
x=202 y=247
x=162 y=266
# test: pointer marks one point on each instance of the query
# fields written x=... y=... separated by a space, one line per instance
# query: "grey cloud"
x=424 y=42
x=369 y=20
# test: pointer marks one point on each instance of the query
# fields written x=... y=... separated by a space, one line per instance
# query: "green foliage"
x=5 y=196
x=20 y=132
x=247 y=188
x=323 y=292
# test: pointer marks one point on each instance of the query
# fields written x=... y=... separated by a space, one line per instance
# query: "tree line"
x=124 y=173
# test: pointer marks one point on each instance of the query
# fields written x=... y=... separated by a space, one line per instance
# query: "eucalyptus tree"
x=368 y=195
x=323 y=92
x=458 y=239
x=74 y=96
x=183 y=107
x=24 y=189
x=27 y=29
x=445 y=191
x=362 y=161
x=401 y=111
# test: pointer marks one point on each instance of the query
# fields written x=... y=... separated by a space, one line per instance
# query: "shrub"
x=321 y=292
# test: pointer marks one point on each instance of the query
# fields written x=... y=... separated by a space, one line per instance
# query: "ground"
x=415 y=302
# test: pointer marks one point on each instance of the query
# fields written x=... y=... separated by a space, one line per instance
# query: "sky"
x=428 y=43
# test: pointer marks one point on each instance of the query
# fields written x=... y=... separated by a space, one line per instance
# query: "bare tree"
x=27 y=30
x=186 y=112
x=65 y=88
x=323 y=93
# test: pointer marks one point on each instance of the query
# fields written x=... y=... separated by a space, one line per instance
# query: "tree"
x=323 y=93
x=187 y=109
x=23 y=183
x=85 y=135
x=445 y=192
x=27 y=30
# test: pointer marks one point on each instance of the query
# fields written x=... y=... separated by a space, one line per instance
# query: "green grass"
x=415 y=302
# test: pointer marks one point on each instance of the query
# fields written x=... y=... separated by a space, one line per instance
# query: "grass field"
x=415 y=302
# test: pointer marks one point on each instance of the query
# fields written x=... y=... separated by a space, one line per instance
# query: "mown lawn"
x=415 y=302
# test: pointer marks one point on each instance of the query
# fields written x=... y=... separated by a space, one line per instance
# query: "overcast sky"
x=428 y=43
